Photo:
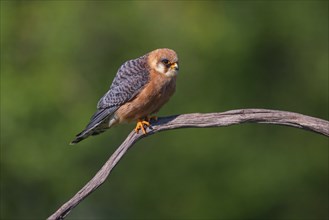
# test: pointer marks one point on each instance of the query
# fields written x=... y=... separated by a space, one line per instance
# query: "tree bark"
x=194 y=120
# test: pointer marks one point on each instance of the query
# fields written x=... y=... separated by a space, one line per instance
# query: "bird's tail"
x=86 y=133
x=79 y=137
x=99 y=122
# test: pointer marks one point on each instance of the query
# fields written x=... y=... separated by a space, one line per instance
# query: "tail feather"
x=99 y=122
x=77 y=140
x=84 y=134
x=81 y=136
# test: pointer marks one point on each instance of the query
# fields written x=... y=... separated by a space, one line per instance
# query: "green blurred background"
x=59 y=57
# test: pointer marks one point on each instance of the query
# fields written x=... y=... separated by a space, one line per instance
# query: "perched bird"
x=140 y=88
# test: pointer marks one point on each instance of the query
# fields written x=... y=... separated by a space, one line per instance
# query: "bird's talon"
x=140 y=126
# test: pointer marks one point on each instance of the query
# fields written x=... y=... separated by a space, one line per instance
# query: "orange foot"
x=140 y=125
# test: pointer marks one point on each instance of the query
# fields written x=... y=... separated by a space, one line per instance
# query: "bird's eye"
x=165 y=61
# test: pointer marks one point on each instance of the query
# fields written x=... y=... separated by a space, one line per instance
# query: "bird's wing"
x=131 y=77
x=98 y=117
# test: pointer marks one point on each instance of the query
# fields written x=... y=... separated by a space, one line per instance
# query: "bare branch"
x=195 y=120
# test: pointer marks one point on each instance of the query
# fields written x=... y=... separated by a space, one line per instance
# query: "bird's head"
x=164 y=61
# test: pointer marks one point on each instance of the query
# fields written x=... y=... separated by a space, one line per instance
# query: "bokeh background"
x=59 y=57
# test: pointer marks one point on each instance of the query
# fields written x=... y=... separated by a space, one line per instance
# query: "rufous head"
x=164 y=61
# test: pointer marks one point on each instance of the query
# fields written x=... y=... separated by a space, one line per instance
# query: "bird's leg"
x=145 y=121
x=140 y=125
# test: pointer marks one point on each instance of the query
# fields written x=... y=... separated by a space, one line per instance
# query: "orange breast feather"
x=150 y=99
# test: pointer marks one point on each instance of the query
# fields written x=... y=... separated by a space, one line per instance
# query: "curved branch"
x=195 y=120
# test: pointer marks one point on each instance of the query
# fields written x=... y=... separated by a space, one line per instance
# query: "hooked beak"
x=174 y=66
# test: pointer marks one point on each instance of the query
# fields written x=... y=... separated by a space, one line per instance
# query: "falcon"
x=140 y=88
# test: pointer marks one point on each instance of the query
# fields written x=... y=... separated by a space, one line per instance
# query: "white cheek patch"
x=160 y=68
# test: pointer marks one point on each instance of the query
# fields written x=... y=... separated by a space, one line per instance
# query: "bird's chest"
x=158 y=93
x=151 y=98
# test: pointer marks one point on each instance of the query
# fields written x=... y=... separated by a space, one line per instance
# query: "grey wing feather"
x=131 y=77
x=99 y=117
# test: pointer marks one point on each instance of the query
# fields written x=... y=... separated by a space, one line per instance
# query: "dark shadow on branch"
x=195 y=120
